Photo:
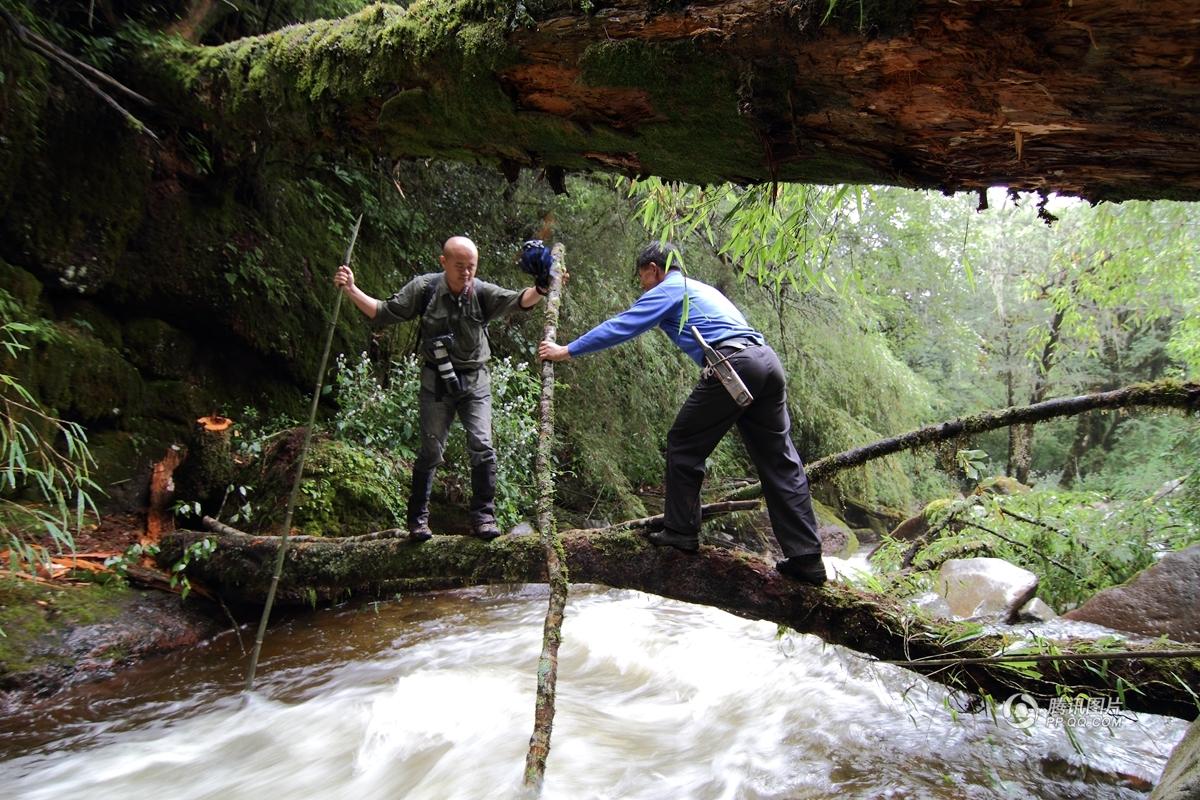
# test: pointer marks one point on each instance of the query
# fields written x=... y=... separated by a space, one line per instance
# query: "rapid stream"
x=432 y=697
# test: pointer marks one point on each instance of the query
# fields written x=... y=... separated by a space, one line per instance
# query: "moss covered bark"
x=732 y=90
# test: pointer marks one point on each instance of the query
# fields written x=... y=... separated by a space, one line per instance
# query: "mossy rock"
x=348 y=491
x=31 y=613
x=79 y=376
x=827 y=516
x=25 y=289
x=81 y=197
x=158 y=349
x=118 y=457
x=87 y=316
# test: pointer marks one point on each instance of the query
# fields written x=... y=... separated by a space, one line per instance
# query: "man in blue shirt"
x=710 y=410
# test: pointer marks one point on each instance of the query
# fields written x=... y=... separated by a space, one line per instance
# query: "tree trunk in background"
x=1083 y=437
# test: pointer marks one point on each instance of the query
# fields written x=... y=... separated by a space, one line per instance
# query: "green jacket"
x=465 y=316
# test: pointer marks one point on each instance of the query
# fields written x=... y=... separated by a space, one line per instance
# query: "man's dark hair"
x=665 y=254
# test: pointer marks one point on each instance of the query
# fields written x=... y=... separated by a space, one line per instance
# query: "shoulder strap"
x=427 y=296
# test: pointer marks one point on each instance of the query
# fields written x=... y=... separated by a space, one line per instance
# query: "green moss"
x=31 y=614
x=827 y=516
x=348 y=491
x=25 y=290
x=1001 y=484
x=79 y=376
x=159 y=349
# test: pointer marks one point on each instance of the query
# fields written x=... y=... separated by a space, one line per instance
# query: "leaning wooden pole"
x=556 y=559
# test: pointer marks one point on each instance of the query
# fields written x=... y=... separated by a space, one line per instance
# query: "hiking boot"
x=418 y=506
x=808 y=569
x=680 y=541
x=486 y=531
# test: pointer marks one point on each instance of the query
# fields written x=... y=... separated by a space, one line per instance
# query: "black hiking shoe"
x=486 y=531
x=808 y=569
x=680 y=541
x=420 y=532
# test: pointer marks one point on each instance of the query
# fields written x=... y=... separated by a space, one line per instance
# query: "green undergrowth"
x=1077 y=543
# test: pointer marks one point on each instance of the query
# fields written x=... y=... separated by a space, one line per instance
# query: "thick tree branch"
x=1162 y=394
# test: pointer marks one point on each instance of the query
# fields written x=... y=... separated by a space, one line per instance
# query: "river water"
x=432 y=697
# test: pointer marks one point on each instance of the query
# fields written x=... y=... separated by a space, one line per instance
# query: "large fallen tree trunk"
x=739 y=583
x=1097 y=99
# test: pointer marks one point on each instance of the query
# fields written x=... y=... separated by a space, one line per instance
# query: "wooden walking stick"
x=291 y=506
x=556 y=568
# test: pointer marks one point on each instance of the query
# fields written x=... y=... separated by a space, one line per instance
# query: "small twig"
x=706 y=511
x=1015 y=543
x=237 y=629
x=68 y=63
x=216 y=526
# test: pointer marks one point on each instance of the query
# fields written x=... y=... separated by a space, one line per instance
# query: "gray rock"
x=1036 y=610
x=1181 y=777
x=837 y=541
x=1159 y=601
x=933 y=604
x=985 y=587
x=521 y=529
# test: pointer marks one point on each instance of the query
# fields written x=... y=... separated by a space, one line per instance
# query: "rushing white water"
x=432 y=697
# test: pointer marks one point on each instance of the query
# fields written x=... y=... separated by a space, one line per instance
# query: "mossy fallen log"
x=1091 y=99
x=737 y=582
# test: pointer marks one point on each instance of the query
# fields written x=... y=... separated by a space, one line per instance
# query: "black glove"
x=536 y=260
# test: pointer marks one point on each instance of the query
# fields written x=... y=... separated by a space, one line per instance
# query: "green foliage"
x=32 y=460
x=133 y=555
x=385 y=420
x=348 y=489
x=1077 y=543
x=378 y=416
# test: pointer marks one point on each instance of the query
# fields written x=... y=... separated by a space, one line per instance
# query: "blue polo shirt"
x=708 y=309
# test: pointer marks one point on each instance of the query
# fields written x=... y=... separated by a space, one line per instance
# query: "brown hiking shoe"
x=486 y=531
x=420 y=532
x=808 y=569
x=680 y=541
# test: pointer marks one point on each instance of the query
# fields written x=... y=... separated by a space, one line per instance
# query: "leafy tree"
x=41 y=456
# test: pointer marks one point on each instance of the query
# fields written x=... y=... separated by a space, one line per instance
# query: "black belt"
x=737 y=343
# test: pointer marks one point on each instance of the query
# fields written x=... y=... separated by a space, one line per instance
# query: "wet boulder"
x=1181 y=776
x=985 y=587
x=1036 y=610
x=1159 y=601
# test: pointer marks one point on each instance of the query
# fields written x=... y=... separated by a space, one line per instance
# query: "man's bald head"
x=460 y=245
x=460 y=260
